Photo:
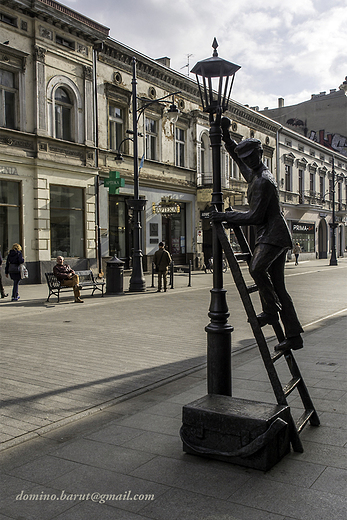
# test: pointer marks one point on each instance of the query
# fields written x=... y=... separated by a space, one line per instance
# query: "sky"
x=287 y=49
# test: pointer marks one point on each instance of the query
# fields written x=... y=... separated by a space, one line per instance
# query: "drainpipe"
x=97 y=47
x=278 y=179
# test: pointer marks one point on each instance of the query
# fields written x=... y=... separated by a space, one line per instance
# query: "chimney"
x=280 y=102
x=164 y=61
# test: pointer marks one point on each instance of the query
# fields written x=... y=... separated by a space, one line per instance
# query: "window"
x=234 y=169
x=8 y=19
x=180 y=146
x=63 y=111
x=66 y=43
x=301 y=186
x=312 y=186
x=8 y=95
x=288 y=178
x=203 y=157
x=9 y=215
x=115 y=121
x=339 y=194
x=321 y=186
x=67 y=221
x=151 y=138
x=268 y=162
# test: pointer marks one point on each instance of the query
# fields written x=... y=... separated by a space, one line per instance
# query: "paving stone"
x=332 y=480
x=102 y=455
x=43 y=469
x=178 y=504
x=291 y=500
x=123 y=488
x=223 y=480
x=90 y=511
x=33 y=505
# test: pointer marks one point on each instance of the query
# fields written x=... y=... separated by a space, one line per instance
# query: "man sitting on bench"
x=67 y=277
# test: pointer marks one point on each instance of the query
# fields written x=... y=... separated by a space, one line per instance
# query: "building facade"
x=66 y=114
x=47 y=138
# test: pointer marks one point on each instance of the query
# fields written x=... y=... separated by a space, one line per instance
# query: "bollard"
x=172 y=274
x=153 y=271
x=190 y=274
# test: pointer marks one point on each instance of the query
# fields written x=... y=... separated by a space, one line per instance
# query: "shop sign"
x=114 y=182
x=166 y=207
x=8 y=170
x=301 y=227
x=204 y=214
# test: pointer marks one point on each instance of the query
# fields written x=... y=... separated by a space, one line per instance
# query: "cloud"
x=286 y=48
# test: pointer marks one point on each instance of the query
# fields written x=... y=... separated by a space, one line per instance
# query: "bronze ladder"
x=281 y=393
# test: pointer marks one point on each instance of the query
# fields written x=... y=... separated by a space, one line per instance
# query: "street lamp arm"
x=149 y=103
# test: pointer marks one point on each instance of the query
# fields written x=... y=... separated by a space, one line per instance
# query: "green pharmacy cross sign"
x=114 y=182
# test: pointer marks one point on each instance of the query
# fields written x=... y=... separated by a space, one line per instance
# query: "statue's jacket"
x=264 y=211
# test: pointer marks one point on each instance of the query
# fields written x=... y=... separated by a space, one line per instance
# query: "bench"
x=87 y=280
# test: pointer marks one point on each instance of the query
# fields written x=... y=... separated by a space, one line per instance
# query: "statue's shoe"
x=294 y=343
x=264 y=318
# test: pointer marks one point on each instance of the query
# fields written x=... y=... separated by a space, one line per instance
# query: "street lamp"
x=137 y=279
x=333 y=224
x=215 y=78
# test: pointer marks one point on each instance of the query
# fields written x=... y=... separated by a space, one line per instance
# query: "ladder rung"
x=303 y=420
x=252 y=288
x=293 y=383
x=242 y=256
x=276 y=355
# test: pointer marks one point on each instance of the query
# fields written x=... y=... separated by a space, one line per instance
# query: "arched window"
x=63 y=112
x=203 y=157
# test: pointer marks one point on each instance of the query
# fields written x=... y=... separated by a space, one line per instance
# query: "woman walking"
x=297 y=251
x=2 y=290
x=14 y=259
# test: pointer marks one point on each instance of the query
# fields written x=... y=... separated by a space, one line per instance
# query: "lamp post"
x=137 y=279
x=215 y=102
x=333 y=224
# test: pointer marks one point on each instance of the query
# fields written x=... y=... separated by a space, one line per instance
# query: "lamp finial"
x=215 y=45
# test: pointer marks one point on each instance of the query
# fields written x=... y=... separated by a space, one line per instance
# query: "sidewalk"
x=132 y=450
x=61 y=362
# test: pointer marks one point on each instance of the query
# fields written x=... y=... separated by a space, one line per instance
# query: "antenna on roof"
x=184 y=66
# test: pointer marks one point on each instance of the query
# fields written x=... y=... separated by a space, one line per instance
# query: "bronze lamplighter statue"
x=272 y=236
x=218 y=425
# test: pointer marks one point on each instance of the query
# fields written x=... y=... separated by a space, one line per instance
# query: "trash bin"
x=114 y=276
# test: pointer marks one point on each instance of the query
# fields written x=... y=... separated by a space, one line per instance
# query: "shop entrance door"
x=322 y=239
x=173 y=233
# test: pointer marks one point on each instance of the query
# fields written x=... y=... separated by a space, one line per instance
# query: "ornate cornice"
x=117 y=55
x=249 y=117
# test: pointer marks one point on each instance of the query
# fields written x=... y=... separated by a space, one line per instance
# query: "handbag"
x=23 y=271
x=13 y=268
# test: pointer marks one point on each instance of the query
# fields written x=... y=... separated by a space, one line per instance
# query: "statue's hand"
x=225 y=123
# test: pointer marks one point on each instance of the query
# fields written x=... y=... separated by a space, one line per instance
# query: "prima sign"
x=8 y=170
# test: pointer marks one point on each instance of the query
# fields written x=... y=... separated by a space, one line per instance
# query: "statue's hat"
x=247 y=146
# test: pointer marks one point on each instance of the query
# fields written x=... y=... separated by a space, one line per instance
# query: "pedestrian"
x=272 y=237
x=13 y=262
x=67 y=276
x=162 y=260
x=297 y=251
x=2 y=290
